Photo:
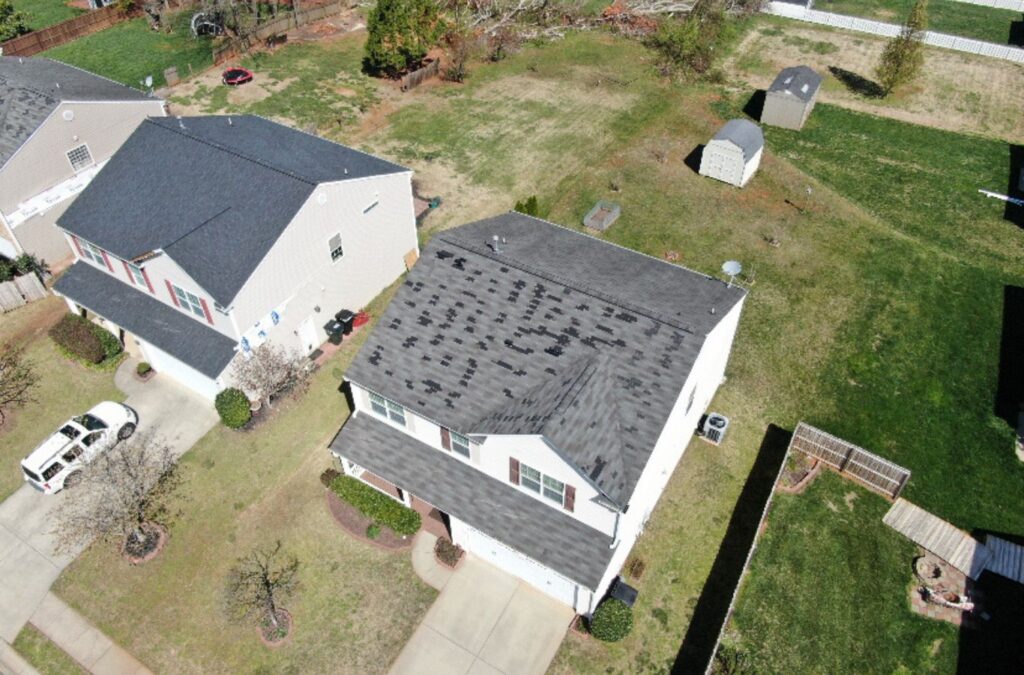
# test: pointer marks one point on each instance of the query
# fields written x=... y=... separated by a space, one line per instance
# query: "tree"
x=12 y=22
x=528 y=206
x=904 y=55
x=399 y=33
x=269 y=371
x=121 y=494
x=690 y=45
x=17 y=379
x=258 y=582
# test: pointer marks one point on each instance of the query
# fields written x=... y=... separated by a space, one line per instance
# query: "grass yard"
x=356 y=606
x=131 y=51
x=44 y=655
x=805 y=581
x=65 y=388
x=944 y=16
x=43 y=13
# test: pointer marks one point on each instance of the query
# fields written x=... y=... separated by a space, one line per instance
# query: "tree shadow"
x=693 y=159
x=1017 y=33
x=1015 y=186
x=712 y=607
x=1010 y=384
x=858 y=84
x=755 y=105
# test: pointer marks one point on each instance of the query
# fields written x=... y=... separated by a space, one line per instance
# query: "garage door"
x=515 y=563
x=166 y=364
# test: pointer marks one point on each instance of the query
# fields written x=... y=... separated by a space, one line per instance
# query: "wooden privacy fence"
x=416 y=77
x=867 y=468
x=282 y=24
x=854 y=23
x=20 y=291
x=60 y=33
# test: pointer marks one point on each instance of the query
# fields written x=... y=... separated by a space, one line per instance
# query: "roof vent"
x=788 y=80
x=496 y=243
x=805 y=88
x=181 y=122
x=229 y=122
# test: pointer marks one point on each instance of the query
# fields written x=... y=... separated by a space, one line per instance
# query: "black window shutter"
x=570 y=498
x=513 y=470
x=446 y=439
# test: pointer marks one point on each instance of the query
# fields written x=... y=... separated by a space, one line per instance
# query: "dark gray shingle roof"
x=799 y=81
x=29 y=92
x=214 y=193
x=560 y=331
x=746 y=135
x=545 y=534
x=190 y=341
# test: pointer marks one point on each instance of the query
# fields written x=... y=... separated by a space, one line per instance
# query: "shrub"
x=77 y=338
x=376 y=505
x=528 y=207
x=143 y=368
x=328 y=476
x=447 y=552
x=233 y=407
x=111 y=345
x=612 y=621
x=373 y=530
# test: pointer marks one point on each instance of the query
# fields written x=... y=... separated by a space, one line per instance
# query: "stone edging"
x=161 y=542
x=804 y=482
x=283 y=641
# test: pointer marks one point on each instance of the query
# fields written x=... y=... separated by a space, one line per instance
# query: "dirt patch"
x=850 y=498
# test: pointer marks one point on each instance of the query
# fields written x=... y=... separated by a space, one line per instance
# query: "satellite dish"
x=732 y=268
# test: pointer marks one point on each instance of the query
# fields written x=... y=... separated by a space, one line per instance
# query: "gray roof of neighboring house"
x=560 y=333
x=214 y=193
x=746 y=135
x=32 y=87
x=171 y=330
x=544 y=533
x=799 y=81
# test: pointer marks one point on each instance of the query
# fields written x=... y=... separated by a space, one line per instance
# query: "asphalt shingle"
x=799 y=81
x=746 y=135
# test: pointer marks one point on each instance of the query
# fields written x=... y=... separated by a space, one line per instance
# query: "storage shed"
x=734 y=154
x=791 y=98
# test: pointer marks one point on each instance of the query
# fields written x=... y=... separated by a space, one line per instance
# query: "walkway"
x=953 y=545
x=485 y=621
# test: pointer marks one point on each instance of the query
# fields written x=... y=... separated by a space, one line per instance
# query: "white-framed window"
x=336 y=249
x=554 y=490
x=387 y=409
x=460 y=444
x=529 y=477
x=534 y=480
x=137 y=276
x=93 y=253
x=189 y=301
x=80 y=157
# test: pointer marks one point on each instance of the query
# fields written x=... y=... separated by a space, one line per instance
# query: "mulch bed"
x=267 y=633
x=799 y=472
x=154 y=548
x=352 y=520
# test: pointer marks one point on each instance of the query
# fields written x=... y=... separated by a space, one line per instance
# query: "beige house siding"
x=785 y=110
x=40 y=236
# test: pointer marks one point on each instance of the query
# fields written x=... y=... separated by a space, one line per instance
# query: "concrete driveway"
x=485 y=621
x=28 y=562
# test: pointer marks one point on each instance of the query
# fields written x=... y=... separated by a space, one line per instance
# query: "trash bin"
x=334 y=330
x=345 y=318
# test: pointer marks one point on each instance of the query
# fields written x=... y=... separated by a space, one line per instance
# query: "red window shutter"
x=128 y=272
x=78 y=246
x=570 y=498
x=107 y=260
x=446 y=439
x=206 y=311
x=513 y=470
x=170 y=289
x=146 y=277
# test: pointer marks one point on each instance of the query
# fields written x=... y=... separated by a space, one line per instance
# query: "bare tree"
x=17 y=379
x=269 y=371
x=120 y=495
x=259 y=581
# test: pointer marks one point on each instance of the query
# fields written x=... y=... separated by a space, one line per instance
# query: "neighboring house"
x=790 y=99
x=734 y=154
x=58 y=125
x=204 y=237
x=533 y=388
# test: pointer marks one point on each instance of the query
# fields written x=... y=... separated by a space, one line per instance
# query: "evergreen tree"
x=903 y=57
x=399 y=34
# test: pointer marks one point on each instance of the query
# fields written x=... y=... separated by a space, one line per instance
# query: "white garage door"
x=166 y=364
x=515 y=563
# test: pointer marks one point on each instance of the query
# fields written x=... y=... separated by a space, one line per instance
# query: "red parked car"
x=236 y=76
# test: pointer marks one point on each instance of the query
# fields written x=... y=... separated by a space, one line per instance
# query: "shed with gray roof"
x=790 y=99
x=734 y=153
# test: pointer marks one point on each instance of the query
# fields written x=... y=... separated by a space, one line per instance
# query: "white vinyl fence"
x=1014 y=5
x=854 y=23
x=20 y=291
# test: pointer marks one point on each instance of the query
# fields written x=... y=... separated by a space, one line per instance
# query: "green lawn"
x=131 y=51
x=356 y=605
x=43 y=13
x=43 y=654
x=944 y=16
x=65 y=388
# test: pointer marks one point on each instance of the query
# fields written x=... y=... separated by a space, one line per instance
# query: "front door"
x=307 y=335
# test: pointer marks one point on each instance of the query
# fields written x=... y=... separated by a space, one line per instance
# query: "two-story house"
x=204 y=237
x=58 y=126
x=534 y=388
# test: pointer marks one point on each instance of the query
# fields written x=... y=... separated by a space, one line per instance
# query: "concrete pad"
x=12 y=662
x=528 y=634
x=425 y=564
x=25 y=578
x=8 y=542
x=427 y=651
x=117 y=662
x=481 y=668
x=471 y=604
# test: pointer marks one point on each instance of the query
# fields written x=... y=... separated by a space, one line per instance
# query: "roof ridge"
x=182 y=130
x=96 y=75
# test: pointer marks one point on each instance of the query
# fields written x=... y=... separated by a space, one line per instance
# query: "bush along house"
x=204 y=237
x=532 y=389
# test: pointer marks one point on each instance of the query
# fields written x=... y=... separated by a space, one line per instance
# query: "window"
x=387 y=409
x=189 y=301
x=92 y=438
x=79 y=157
x=460 y=444
x=137 y=276
x=529 y=477
x=72 y=454
x=335 y=245
x=534 y=480
x=52 y=470
x=554 y=490
x=93 y=253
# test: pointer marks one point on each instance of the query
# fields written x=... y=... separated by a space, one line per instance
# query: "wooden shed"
x=791 y=98
x=734 y=153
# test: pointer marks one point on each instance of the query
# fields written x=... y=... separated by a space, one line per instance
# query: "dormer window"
x=387 y=409
x=335 y=246
x=189 y=301
x=80 y=157
x=93 y=253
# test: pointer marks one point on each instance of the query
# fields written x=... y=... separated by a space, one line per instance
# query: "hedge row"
x=376 y=505
x=85 y=340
